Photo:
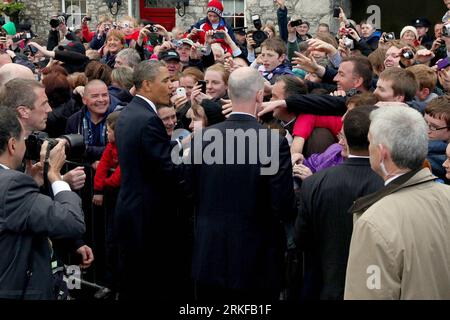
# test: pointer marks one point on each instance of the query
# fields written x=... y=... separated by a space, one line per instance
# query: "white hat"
x=409 y=28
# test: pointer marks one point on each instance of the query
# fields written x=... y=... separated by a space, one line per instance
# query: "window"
x=234 y=12
x=77 y=10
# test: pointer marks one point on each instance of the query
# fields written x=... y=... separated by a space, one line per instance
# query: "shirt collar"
x=245 y=113
x=360 y=157
x=4 y=167
x=152 y=105
x=393 y=178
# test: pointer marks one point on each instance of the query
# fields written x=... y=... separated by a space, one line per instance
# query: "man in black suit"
x=241 y=205
x=145 y=215
x=324 y=225
x=28 y=218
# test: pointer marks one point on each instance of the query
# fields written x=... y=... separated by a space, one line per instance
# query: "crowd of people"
x=357 y=124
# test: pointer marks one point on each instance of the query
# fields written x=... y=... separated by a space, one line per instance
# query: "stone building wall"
x=38 y=12
x=314 y=11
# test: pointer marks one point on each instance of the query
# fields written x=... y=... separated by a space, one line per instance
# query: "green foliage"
x=11 y=8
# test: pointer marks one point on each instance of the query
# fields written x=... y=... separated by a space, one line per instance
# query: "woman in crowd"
x=60 y=98
x=115 y=41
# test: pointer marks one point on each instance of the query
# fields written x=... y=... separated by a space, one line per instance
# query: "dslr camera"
x=258 y=35
x=75 y=147
x=59 y=19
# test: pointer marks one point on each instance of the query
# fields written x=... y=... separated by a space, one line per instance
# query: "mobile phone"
x=203 y=83
x=219 y=35
x=296 y=23
x=443 y=63
x=181 y=92
x=336 y=12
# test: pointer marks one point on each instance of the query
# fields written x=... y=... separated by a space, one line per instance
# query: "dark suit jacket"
x=27 y=219
x=145 y=211
x=240 y=241
x=324 y=225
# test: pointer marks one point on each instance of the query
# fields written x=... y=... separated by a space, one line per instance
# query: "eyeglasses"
x=431 y=128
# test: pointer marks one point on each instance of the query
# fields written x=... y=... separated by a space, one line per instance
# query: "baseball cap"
x=240 y=30
x=169 y=55
x=421 y=22
x=186 y=41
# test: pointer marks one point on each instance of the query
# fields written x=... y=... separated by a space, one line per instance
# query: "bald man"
x=240 y=241
x=11 y=71
x=90 y=120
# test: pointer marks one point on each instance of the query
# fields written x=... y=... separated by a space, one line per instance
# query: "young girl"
x=109 y=161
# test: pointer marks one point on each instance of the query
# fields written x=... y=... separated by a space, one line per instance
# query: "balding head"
x=5 y=59
x=244 y=84
x=12 y=71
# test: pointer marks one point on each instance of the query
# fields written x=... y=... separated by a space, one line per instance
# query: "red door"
x=162 y=16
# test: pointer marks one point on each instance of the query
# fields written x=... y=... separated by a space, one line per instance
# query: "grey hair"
x=19 y=92
x=131 y=56
x=123 y=76
x=403 y=131
x=146 y=70
x=244 y=83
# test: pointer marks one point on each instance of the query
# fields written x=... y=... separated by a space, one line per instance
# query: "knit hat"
x=10 y=28
x=213 y=111
x=409 y=28
x=216 y=7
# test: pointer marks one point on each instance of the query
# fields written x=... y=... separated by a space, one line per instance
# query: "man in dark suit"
x=28 y=218
x=324 y=225
x=145 y=214
x=241 y=205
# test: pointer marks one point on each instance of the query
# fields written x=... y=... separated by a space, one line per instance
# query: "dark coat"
x=324 y=226
x=57 y=119
x=75 y=125
x=27 y=219
x=145 y=207
x=240 y=240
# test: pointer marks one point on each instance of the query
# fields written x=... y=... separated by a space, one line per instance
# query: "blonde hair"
x=218 y=67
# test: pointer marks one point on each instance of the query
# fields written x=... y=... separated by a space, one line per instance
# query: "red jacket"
x=87 y=34
x=109 y=160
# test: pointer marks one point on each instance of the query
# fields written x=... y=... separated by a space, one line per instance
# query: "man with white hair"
x=240 y=243
x=400 y=243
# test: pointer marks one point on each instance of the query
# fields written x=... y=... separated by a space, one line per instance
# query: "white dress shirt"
x=149 y=102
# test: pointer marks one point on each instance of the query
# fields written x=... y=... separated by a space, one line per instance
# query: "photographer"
x=28 y=218
x=213 y=21
x=59 y=31
x=27 y=97
x=98 y=39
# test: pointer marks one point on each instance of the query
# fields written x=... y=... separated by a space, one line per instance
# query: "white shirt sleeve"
x=59 y=186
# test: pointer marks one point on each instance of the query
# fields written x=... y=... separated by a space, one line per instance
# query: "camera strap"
x=46 y=166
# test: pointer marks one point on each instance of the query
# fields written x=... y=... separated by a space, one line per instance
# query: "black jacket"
x=145 y=211
x=57 y=118
x=240 y=239
x=324 y=226
x=27 y=220
x=320 y=104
